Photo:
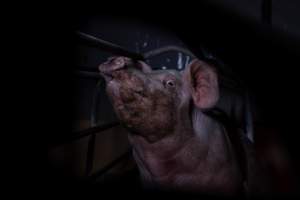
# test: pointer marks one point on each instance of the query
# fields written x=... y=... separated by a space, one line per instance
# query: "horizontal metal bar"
x=166 y=49
x=88 y=74
x=109 y=166
x=107 y=46
x=87 y=68
x=79 y=134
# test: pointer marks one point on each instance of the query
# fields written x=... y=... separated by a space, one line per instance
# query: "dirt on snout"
x=143 y=109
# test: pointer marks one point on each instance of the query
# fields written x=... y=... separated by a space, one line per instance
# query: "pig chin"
x=145 y=114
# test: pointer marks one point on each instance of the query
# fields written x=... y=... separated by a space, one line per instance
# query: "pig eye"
x=170 y=83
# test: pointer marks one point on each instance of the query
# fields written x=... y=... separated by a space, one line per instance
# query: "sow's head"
x=155 y=103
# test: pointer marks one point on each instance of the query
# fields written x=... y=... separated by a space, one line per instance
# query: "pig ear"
x=202 y=81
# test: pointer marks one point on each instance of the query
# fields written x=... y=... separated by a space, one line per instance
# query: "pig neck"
x=194 y=127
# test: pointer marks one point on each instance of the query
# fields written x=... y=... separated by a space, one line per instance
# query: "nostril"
x=170 y=83
x=119 y=61
x=112 y=64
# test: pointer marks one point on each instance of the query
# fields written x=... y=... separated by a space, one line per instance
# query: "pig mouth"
x=131 y=98
x=131 y=110
x=131 y=101
x=127 y=91
x=109 y=76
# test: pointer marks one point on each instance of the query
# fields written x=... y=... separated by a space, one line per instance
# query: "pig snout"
x=117 y=63
x=113 y=64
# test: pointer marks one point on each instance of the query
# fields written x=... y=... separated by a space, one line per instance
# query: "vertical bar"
x=266 y=12
x=90 y=154
x=92 y=139
x=93 y=116
x=249 y=118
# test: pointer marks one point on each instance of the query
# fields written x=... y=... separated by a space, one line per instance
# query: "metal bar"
x=86 y=68
x=109 y=166
x=249 y=117
x=266 y=11
x=92 y=139
x=107 y=46
x=165 y=49
x=86 y=132
x=95 y=97
x=88 y=74
x=90 y=154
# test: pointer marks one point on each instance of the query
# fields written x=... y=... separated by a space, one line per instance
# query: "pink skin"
x=174 y=144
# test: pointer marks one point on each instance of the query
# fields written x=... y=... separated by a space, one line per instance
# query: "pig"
x=176 y=146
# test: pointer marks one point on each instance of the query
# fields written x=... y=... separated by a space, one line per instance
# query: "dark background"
x=263 y=51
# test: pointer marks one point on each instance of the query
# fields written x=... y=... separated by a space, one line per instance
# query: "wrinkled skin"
x=174 y=144
x=136 y=97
